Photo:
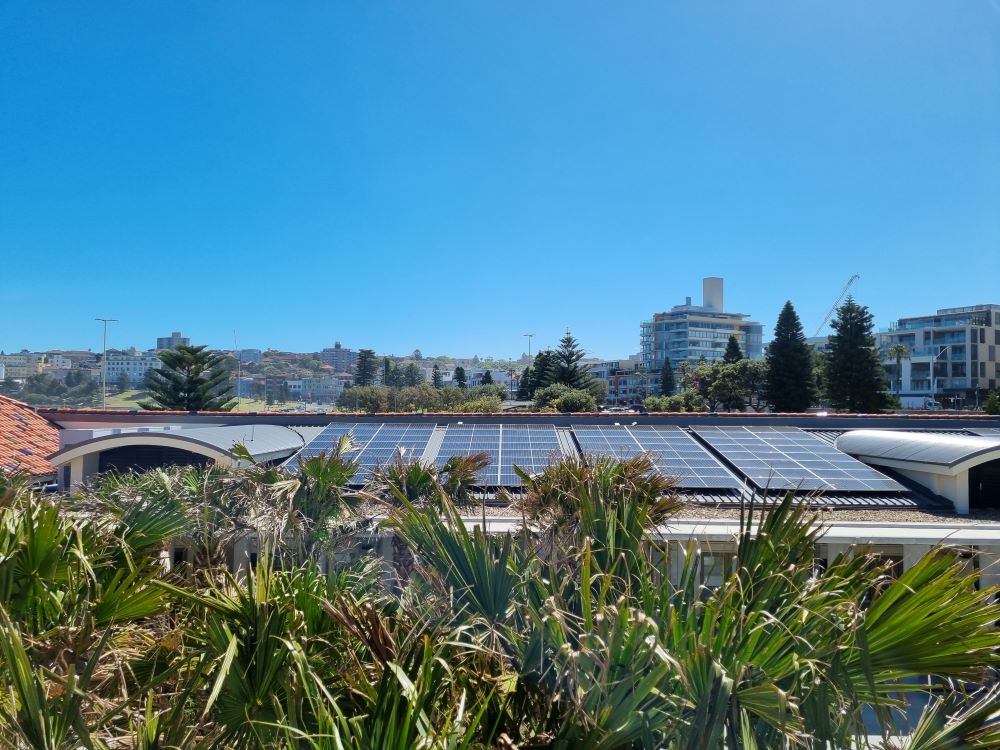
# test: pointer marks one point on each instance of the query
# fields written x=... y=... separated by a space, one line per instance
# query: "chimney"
x=712 y=293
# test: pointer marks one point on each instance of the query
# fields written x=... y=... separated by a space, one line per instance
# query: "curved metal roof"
x=918 y=447
x=264 y=441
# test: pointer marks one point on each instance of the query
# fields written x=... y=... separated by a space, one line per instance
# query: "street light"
x=933 y=378
x=529 y=336
x=104 y=362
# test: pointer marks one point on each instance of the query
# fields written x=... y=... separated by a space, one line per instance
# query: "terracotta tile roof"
x=25 y=439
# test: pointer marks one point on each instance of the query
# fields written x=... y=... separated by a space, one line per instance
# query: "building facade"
x=22 y=365
x=951 y=356
x=174 y=339
x=132 y=363
x=627 y=382
x=339 y=358
x=689 y=332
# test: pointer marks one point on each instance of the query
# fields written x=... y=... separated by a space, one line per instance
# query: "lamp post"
x=933 y=378
x=104 y=362
x=529 y=336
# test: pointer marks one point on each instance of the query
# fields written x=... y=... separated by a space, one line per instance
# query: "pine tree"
x=524 y=386
x=190 y=379
x=568 y=357
x=545 y=370
x=733 y=352
x=436 y=380
x=667 y=381
x=365 y=368
x=387 y=372
x=790 y=385
x=855 y=379
x=459 y=377
x=487 y=378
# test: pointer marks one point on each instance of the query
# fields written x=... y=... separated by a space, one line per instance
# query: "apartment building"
x=339 y=358
x=951 y=356
x=625 y=379
x=131 y=362
x=689 y=332
x=22 y=365
x=174 y=339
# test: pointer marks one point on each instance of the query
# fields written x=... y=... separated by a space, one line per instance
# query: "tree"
x=459 y=377
x=790 y=386
x=753 y=374
x=124 y=382
x=667 y=382
x=899 y=352
x=733 y=353
x=436 y=380
x=487 y=378
x=411 y=375
x=728 y=388
x=524 y=385
x=567 y=361
x=855 y=379
x=991 y=405
x=190 y=378
x=365 y=368
x=545 y=370
x=387 y=378
x=575 y=400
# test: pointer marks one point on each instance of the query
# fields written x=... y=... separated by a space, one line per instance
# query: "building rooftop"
x=26 y=440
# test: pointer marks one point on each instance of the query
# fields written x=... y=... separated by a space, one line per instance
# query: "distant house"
x=26 y=441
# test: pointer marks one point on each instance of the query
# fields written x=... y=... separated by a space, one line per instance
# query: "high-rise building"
x=689 y=332
x=174 y=339
x=339 y=358
x=951 y=356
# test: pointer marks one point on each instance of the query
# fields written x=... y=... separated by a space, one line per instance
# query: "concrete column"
x=912 y=554
x=989 y=566
x=242 y=548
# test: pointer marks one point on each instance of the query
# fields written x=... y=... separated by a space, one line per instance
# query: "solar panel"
x=468 y=440
x=531 y=447
x=373 y=444
x=677 y=454
x=528 y=446
x=787 y=458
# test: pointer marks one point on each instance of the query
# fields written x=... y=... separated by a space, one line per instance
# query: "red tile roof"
x=25 y=439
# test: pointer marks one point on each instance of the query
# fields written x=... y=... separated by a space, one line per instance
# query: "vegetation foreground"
x=568 y=634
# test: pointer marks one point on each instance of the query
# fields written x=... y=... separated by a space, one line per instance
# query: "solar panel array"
x=373 y=444
x=468 y=440
x=787 y=458
x=531 y=447
x=676 y=453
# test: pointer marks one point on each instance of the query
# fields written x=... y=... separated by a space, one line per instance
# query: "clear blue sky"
x=451 y=175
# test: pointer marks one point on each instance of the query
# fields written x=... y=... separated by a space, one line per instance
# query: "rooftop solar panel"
x=373 y=444
x=468 y=440
x=531 y=447
x=787 y=458
x=677 y=454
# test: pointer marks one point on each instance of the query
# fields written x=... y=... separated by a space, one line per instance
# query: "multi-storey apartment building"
x=625 y=379
x=951 y=356
x=339 y=358
x=22 y=365
x=174 y=339
x=689 y=332
x=132 y=363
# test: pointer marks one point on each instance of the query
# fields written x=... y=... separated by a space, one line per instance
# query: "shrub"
x=574 y=400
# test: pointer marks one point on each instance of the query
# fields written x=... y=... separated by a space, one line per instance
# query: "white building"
x=174 y=339
x=22 y=365
x=130 y=362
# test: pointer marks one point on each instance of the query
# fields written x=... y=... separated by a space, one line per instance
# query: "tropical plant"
x=899 y=352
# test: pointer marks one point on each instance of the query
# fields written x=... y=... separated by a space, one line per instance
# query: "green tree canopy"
x=487 y=378
x=190 y=378
x=855 y=379
x=524 y=385
x=436 y=380
x=733 y=352
x=365 y=368
x=459 y=377
x=668 y=383
x=568 y=369
x=790 y=385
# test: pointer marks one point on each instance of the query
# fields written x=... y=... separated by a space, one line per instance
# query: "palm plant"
x=899 y=352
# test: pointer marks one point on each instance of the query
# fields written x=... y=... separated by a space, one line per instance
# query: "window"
x=716 y=568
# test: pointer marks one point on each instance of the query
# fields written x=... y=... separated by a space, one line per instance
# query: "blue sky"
x=450 y=176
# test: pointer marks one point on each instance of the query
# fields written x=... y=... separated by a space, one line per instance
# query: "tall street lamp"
x=529 y=336
x=934 y=359
x=104 y=362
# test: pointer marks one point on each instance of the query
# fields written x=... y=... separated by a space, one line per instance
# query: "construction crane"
x=843 y=293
